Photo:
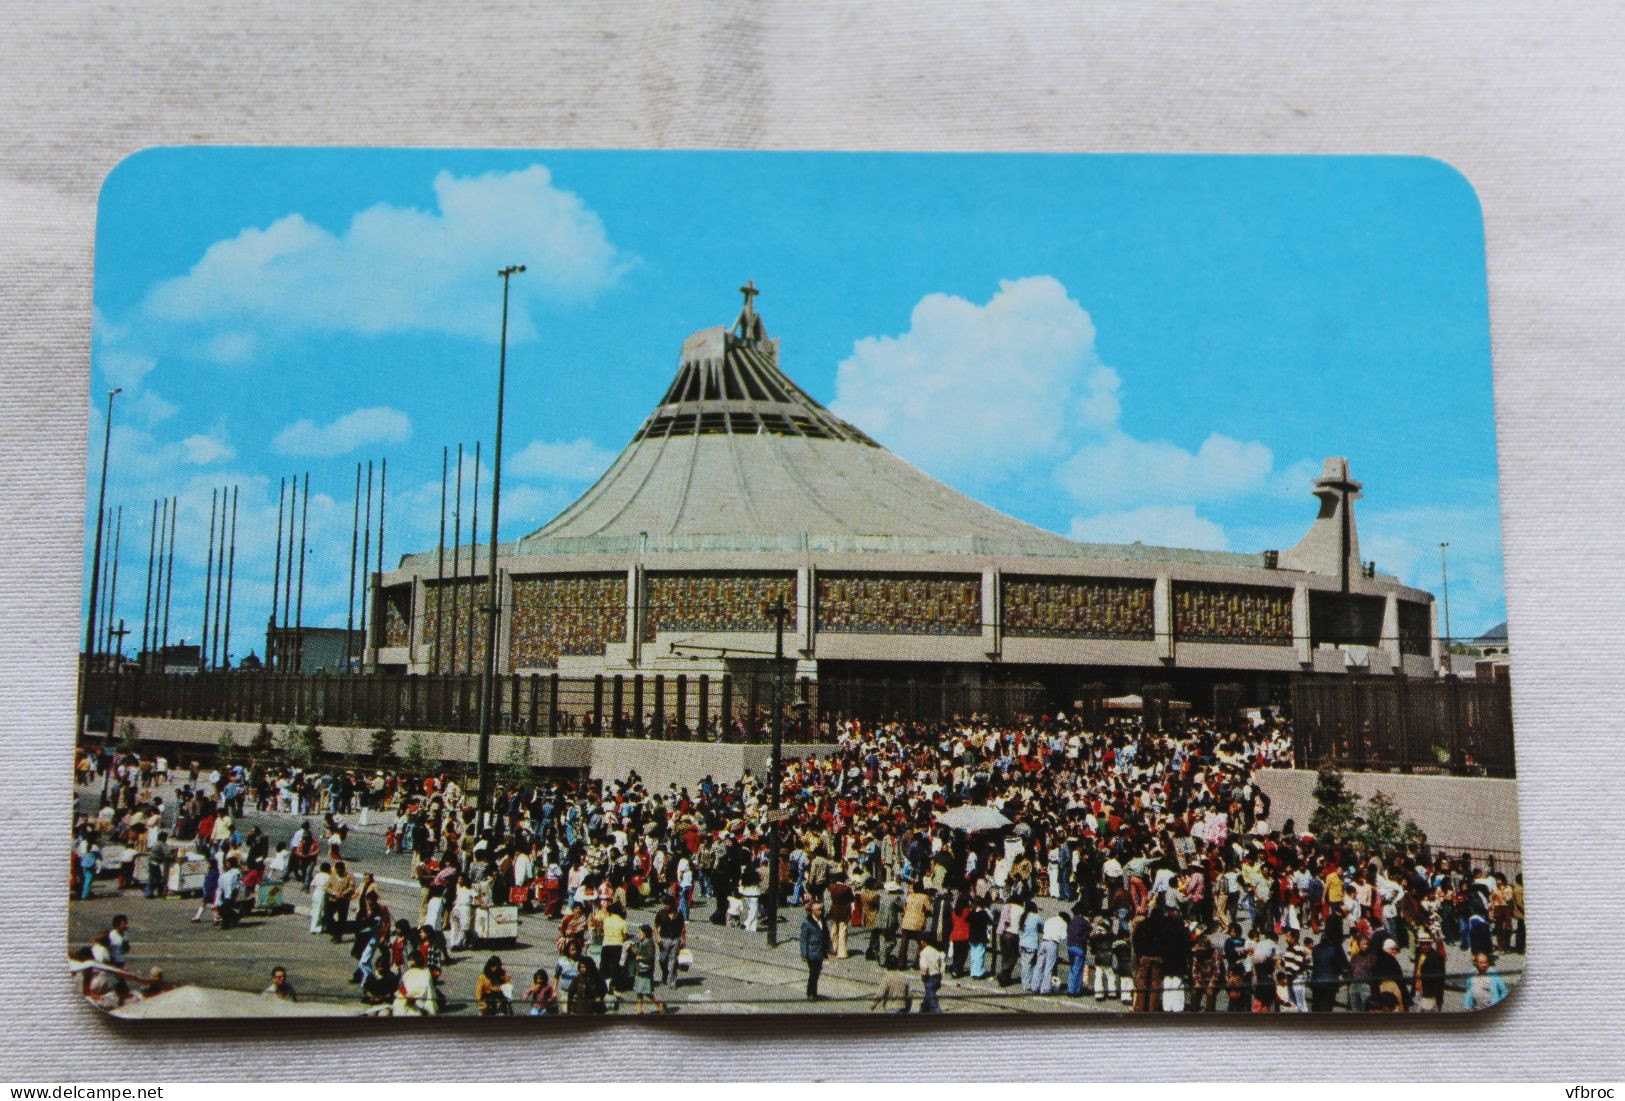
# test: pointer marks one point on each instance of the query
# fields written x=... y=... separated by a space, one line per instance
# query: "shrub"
x=301 y=746
x=129 y=737
x=1385 y=829
x=264 y=743
x=415 y=760
x=1336 y=807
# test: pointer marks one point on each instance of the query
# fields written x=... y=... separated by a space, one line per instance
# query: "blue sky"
x=1112 y=347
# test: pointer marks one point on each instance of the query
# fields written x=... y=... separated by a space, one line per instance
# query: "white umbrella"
x=969 y=819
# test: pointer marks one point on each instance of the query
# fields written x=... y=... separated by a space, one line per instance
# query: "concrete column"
x=1300 y=624
x=1389 y=643
x=634 y=621
x=806 y=579
x=992 y=622
x=1162 y=616
x=414 y=621
x=1436 y=647
x=504 y=641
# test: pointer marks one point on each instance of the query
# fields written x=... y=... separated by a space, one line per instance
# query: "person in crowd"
x=416 y=994
x=931 y=967
x=542 y=998
x=1432 y=965
x=280 y=987
x=588 y=994
x=643 y=969
x=841 y=898
x=1484 y=987
x=814 y=945
x=493 y=991
x=670 y=938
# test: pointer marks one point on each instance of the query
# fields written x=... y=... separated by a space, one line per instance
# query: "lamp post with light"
x=488 y=678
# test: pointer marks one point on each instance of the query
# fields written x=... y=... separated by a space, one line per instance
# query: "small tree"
x=383 y=745
x=1336 y=807
x=515 y=771
x=311 y=738
x=300 y=746
x=415 y=759
x=129 y=738
x=1386 y=830
x=264 y=743
x=225 y=746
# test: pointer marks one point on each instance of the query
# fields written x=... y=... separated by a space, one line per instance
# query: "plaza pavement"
x=734 y=971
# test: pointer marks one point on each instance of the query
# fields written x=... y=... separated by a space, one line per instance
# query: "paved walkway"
x=734 y=971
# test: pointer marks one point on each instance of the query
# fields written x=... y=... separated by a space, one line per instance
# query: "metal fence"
x=682 y=707
x=729 y=707
x=1404 y=724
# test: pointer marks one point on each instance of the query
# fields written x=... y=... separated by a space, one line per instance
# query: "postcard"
x=609 y=583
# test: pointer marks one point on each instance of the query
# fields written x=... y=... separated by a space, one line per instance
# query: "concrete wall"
x=659 y=762
x=544 y=557
x=1456 y=812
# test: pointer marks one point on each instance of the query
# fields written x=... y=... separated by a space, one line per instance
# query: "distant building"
x=312 y=649
x=182 y=657
x=1494 y=642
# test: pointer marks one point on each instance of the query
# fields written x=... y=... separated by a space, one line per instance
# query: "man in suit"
x=814 y=945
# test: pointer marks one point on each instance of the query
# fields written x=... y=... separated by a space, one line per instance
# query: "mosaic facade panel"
x=715 y=601
x=451 y=612
x=397 y=618
x=574 y=615
x=1255 y=614
x=1077 y=607
x=902 y=604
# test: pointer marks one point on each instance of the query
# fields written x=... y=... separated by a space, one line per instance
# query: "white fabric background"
x=1528 y=103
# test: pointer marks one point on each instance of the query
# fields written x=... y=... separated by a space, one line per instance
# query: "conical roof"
x=737 y=452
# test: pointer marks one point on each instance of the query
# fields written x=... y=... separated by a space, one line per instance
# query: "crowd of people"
x=1137 y=866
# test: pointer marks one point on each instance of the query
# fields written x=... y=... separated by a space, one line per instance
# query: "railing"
x=694 y=708
x=730 y=707
x=1404 y=724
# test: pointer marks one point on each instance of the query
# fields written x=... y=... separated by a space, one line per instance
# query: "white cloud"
x=126 y=369
x=578 y=460
x=151 y=407
x=1014 y=389
x=104 y=329
x=1154 y=525
x=397 y=269
x=201 y=450
x=360 y=428
x=231 y=348
x=1119 y=469
x=977 y=390
x=1297 y=480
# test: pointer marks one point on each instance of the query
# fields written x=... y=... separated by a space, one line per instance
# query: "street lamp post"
x=1444 y=567
x=774 y=775
x=96 y=567
x=488 y=679
x=101 y=508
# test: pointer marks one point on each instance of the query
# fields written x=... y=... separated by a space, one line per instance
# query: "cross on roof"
x=750 y=292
